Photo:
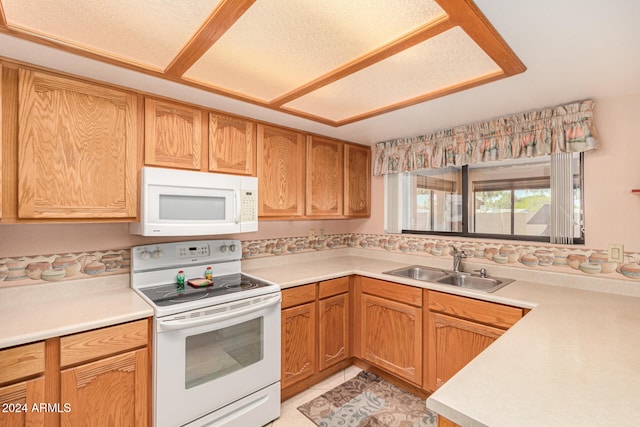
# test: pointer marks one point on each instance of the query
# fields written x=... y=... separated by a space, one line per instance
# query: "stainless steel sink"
x=448 y=277
x=419 y=272
x=466 y=280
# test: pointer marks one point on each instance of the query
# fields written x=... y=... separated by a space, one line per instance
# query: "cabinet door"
x=333 y=340
x=324 y=177
x=453 y=343
x=17 y=402
x=112 y=391
x=172 y=135
x=391 y=336
x=232 y=145
x=357 y=180
x=280 y=172
x=77 y=155
x=298 y=343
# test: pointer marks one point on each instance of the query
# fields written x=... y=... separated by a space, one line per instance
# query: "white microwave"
x=189 y=203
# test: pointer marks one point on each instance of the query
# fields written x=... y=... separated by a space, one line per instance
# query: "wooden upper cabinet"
x=77 y=149
x=232 y=145
x=324 y=177
x=357 y=180
x=172 y=135
x=280 y=172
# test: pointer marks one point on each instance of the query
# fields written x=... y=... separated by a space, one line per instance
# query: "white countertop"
x=574 y=360
x=31 y=313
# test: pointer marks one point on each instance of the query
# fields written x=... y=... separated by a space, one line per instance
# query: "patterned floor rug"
x=368 y=401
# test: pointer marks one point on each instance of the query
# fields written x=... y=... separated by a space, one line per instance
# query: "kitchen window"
x=536 y=199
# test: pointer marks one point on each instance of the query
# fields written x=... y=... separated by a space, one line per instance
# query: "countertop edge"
x=58 y=309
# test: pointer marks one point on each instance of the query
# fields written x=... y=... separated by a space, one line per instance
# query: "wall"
x=18 y=240
x=612 y=212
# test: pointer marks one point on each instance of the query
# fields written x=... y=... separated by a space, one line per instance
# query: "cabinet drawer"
x=103 y=342
x=298 y=295
x=498 y=315
x=21 y=362
x=333 y=287
x=392 y=291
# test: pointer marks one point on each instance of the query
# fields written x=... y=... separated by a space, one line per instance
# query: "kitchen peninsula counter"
x=36 y=312
x=573 y=360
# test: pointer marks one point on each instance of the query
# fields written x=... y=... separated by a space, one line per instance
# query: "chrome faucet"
x=457 y=258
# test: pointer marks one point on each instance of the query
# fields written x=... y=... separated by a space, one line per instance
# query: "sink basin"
x=466 y=280
x=420 y=272
x=448 y=277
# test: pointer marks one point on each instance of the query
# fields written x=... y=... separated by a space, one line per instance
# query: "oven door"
x=211 y=357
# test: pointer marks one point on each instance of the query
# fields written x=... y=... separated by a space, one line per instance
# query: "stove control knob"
x=232 y=248
x=145 y=254
x=158 y=254
x=224 y=248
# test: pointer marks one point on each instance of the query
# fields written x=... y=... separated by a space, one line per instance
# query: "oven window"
x=191 y=208
x=214 y=354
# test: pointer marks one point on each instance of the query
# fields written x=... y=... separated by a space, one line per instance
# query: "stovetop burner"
x=165 y=295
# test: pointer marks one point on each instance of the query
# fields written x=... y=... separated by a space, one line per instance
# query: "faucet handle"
x=482 y=271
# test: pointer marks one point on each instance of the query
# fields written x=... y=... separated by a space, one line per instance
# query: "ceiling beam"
x=467 y=15
x=220 y=20
x=410 y=39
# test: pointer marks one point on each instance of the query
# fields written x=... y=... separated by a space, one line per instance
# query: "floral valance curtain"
x=562 y=129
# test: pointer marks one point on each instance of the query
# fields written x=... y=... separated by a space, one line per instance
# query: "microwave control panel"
x=249 y=206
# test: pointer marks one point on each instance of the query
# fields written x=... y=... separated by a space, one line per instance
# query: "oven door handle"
x=219 y=317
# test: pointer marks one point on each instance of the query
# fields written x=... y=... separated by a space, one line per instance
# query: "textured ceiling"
x=334 y=62
x=572 y=50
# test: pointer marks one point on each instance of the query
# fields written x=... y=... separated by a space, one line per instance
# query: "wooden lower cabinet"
x=455 y=342
x=391 y=329
x=299 y=339
x=22 y=371
x=105 y=376
x=416 y=338
x=18 y=400
x=334 y=322
x=315 y=333
x=461 y=328
x=96 y=378
x=111 y=391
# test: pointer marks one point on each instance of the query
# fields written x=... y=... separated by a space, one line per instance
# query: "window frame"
x=578 y=240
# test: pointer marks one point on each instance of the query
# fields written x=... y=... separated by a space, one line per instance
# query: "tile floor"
x=289 y=414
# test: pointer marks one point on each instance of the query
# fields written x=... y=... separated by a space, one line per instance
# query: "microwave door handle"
x=214 y=318
x=236 y=195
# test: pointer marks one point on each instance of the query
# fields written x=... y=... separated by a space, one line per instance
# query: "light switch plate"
x=312 y=234
x=616 y=252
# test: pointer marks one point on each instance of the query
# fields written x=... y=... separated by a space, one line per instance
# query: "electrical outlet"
x=322 y=233
x=312 y=234
x=616 y=252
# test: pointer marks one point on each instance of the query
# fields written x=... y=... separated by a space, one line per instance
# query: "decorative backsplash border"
x=581 y=261
x=72 y=266
x=68 y=266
